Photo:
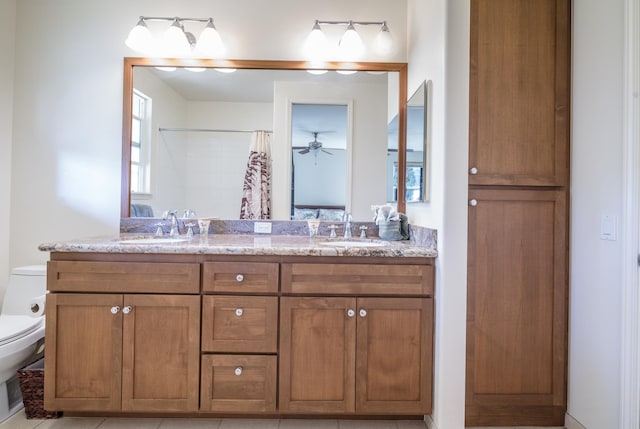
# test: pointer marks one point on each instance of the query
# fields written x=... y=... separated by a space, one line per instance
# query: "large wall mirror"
x=188 y=125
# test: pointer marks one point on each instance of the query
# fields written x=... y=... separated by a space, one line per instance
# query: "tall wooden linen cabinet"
x=519 y=144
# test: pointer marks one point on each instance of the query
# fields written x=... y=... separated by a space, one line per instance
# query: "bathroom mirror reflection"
x=417 y=150
x=189 y=134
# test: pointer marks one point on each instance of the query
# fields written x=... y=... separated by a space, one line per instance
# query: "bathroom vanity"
x=237 y=324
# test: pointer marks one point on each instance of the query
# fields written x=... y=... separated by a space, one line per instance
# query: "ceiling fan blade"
x=304 y=151
x=326 y=151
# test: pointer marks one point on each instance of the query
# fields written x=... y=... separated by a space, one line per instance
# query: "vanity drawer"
x=238 y=383
x=240 y=324
x=357 y=279
x=125 y=277
x=240 y=277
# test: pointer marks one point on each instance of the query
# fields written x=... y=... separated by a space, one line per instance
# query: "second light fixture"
x=351 y=46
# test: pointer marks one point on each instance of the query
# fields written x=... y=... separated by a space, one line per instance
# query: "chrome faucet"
x=175 y=228
x=347 y=225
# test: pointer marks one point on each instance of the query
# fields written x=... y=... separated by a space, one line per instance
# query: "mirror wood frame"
x=127 y=98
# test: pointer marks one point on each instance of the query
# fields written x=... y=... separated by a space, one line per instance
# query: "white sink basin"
x=154 y=241
x=353 y=243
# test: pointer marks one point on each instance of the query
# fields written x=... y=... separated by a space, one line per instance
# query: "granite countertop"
x=243 y=244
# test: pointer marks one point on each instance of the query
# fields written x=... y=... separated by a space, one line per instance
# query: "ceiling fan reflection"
x=315 y=146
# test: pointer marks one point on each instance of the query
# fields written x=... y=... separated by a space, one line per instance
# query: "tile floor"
x=19 y=421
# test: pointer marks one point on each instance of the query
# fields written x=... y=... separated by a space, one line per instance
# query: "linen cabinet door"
x=83 y=361
x=394 y=355
x=161 y=347
x=519 y=92
x=516 y=308
x=317 y=355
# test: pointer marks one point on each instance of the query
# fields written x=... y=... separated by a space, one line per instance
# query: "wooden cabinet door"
x=317 y=355
x=84 y=352
x=394 y=355
x=519 y=92
x=517 y=308
x=161 y=346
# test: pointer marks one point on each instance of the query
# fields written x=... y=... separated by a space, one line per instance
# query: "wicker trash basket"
x=32 y=385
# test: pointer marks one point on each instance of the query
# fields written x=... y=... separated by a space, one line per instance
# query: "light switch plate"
x=262 y=227
x=608 y=227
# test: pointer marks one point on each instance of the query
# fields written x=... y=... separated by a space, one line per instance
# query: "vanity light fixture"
x=176 y=42
x=351 y=47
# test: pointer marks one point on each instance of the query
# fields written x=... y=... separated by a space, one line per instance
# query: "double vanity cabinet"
x=198 y=334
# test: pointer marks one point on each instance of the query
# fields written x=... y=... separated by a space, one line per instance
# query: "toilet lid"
x=13 y=327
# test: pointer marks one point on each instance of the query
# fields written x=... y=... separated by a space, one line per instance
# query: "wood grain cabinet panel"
x=357 y=279
x=161 y=353
x=122 y=352
x=517 y=308
x=317 y=355
x=356 y=355
x=394 y=355
x=519 y=92
x=234 y=324
x=124 y=277
x=240 y=277
x=238 y=383
x=83 y=363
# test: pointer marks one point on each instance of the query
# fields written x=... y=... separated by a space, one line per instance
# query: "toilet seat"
x=14 y=327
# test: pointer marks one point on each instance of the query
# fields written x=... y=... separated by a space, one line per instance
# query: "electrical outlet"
x=262 y=227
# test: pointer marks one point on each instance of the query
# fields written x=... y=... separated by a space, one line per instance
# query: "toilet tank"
x=25 y=283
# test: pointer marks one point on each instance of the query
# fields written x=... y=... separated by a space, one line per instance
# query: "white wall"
x=439 y=52
x=596 y=177
x=68 y=86
x=7 y=33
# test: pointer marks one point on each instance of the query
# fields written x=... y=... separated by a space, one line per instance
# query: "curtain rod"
x=206 y=130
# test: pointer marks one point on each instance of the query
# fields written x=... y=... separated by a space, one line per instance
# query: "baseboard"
x=430 y=423
x=571 y=423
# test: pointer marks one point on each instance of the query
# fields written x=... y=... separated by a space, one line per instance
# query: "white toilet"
x=21 y=331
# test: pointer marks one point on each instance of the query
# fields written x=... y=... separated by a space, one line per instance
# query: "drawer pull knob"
x=473 y=202
x=240 y=277
x=473 y=170
x=363 y=312
x=239 y=312
x=115 y=309
x=127 y=309
x=238 y=371
x=351 y=312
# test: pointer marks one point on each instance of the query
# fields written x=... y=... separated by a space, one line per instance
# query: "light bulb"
x=351 y=46
x=210 y=43
x=316 y=45
x=317 y=71
x=140 y=38
x=384 y=41
x=175 y=41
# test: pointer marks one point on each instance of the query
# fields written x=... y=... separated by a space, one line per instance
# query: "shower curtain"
x=256 y=192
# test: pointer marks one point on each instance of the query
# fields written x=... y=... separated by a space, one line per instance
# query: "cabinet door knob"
x=473 y=202
x=115 y=309
x=363 y=312
x=239 y=312
x=127 y=309
x=238 y=371
x=351 y=312
x=240 y=277
x=473 y=170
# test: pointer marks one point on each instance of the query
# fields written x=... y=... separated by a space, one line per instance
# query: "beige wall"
x=7 y=32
